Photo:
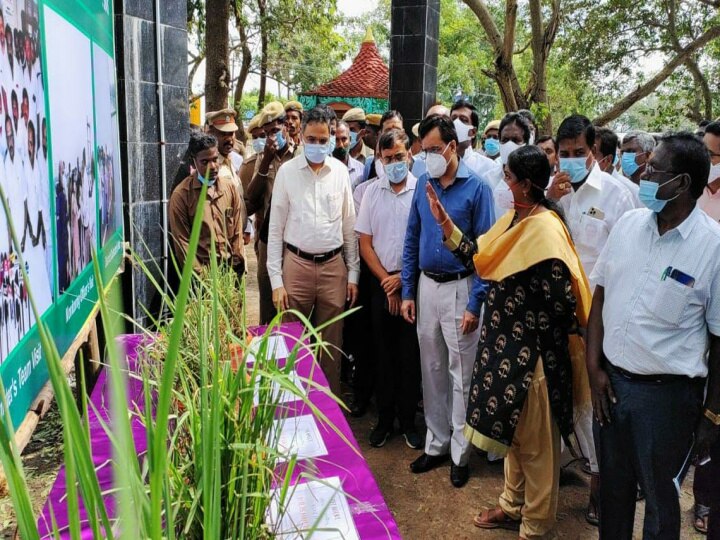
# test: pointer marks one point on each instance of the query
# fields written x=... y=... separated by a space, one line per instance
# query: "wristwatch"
x=713 y=417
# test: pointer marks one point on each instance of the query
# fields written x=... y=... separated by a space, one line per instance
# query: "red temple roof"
x=368 y=76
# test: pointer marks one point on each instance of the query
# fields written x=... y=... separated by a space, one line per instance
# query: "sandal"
x=701 y=518
x=592 y=514
x=496 y=519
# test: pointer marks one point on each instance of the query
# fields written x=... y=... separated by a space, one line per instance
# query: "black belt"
x=317 y=258
x=659 y=378
x=448 y=276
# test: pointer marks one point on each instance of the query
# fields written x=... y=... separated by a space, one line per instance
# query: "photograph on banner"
x=108 y=144
x=23 y=172
x=72 y=134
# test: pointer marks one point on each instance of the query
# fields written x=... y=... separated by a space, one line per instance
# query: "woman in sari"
x=525 y=379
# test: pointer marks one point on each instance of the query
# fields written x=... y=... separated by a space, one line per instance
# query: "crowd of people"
x=23 y=154
x=541 y=295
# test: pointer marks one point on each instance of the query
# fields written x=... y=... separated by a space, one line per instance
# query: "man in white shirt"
x=465 y=118
x=342 y=153
x=635 y=152
x=514 y=132
x=605 y=151
x=381 y=224
x=655 y=315
x=312 y=226
x=593 y=202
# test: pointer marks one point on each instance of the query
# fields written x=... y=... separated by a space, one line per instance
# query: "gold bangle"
x=713 y=417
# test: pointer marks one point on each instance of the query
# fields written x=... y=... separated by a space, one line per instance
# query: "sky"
x=353 y=8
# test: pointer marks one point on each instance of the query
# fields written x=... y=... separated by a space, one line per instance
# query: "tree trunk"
x=649 y=87
x=263 y=53
x=217 y=17
x=701 y=85
x=246 y=56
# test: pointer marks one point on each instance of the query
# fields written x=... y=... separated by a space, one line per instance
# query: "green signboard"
x=60 y=169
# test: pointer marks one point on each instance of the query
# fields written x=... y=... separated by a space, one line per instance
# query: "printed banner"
x=60 y=170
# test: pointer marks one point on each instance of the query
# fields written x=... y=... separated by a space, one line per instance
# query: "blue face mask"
x=202 y=179
x=396 y=172
x=353 y=139
x=331 y=144
x=492 y=147
x=258 y=145
x=575 y=167
x=316 y=153
x=648 y=194
x=629 y=166
x=281 y=142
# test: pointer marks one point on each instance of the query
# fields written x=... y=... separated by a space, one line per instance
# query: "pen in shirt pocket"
x=679 y=276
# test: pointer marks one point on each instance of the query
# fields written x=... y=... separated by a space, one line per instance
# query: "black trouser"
x=398 y=364
x=356 y=342
x=646 y=443
x=712 y=470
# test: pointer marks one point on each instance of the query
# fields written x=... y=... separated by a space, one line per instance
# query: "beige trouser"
x=267 y=308
x=320 y=290
x=532 y=466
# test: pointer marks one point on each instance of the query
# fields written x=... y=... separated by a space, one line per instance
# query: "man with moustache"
x=293 y=120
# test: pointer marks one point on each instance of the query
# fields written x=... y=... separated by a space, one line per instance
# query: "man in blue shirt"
x=449 y=297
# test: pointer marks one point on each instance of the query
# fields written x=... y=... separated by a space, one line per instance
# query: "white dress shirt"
x=314 y=212
x=591 y=213
x=359 y=192
x=481 y=165
x=384 y=216
x=630 y=185
x=655 y=324
x=356 y=171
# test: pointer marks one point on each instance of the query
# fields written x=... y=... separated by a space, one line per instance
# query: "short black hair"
x=389 y=115
x=713 y=128
x=530 y=117
x=704 y=123
x=318 y=115
x=200 y=142
x=531 y=162
x=443 y=123
x=329 y=110
x=391 y=137
x=688 y=155
x=545 y=138
x=517 y=119
x=608 y=140
x=465 y=104
x=574 y=126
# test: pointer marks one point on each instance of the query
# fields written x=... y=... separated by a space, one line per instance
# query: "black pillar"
x=413 y=57
x=145 y=91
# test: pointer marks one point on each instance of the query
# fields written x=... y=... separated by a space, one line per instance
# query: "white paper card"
x=281 y=395
x=317 y=510
x=276 y=348
x=299 y=436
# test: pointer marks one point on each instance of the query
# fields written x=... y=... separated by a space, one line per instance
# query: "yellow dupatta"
x=504 y=251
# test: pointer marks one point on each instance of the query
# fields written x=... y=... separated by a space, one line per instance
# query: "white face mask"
x=463 y=130
x=436 y=164
x=504 y=198
x=506 y=149
x=714 y=172
x=379 y=169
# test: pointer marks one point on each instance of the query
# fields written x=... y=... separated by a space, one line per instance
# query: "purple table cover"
x=372 y=517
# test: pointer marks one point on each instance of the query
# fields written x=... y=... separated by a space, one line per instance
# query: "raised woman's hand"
x=436 y=207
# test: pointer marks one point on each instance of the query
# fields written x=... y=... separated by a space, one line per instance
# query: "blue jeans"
x=646 y=443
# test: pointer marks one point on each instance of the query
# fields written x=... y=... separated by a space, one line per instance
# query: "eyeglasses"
x=435 y=149
x=650 y=170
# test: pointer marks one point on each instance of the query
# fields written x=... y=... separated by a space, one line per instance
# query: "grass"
x=211 y=467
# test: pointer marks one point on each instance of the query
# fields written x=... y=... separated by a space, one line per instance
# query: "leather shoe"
x=426 y=463
x=459 y=475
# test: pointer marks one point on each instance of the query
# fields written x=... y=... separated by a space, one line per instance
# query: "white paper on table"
x=299 y=436
x=278 y=394
x=276 y=348
x=317 y=509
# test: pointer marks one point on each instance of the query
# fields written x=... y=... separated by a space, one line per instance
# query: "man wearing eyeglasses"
x=445 y=295
x=381 y=224
x=635 y=152
x=710 y=199
x=652 y=342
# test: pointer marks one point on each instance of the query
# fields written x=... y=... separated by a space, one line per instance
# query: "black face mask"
x=341 y=153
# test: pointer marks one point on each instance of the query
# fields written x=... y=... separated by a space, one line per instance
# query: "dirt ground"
x=425 y=506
